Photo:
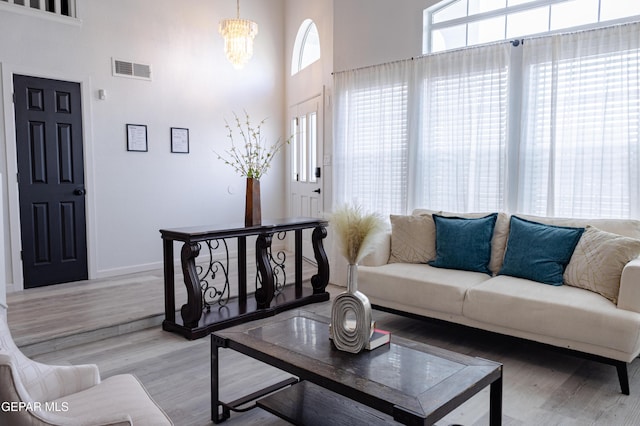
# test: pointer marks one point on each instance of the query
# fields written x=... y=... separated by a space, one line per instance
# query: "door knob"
x=79 y=191
x=317 y=191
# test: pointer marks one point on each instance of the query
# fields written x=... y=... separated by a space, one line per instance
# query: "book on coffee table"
x=378 y=338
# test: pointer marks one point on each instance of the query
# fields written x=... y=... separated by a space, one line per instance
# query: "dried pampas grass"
x=356 y=231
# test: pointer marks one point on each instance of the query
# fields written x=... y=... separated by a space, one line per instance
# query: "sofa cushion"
x=598 y=260
x=562 y=312
x=539 y=252
x=419 y=285
x=378 y=256
x=464 y=243
x=413 y=239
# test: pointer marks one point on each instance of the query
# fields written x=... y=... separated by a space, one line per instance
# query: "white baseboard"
x=203 y=258
x=125 y=270
x=11 y=288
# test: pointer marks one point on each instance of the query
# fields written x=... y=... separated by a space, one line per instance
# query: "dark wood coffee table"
x=412 y=382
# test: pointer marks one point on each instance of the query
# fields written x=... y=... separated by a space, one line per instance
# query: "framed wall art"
x=179 y=140
x=137 y=138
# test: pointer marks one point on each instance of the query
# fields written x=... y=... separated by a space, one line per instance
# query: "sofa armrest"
x=380 y=255
x=629 y=294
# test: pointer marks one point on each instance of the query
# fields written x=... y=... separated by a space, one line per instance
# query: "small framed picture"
x=179 y=140
x=137 y=138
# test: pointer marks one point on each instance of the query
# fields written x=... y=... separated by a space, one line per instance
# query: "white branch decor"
x=253 y=156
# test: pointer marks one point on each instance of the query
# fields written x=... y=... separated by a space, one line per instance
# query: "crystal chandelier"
x=238 y=39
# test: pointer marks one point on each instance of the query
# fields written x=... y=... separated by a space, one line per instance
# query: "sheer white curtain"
x=429 y=132
x=579 y=148
x=371 y=137
x=461 y=129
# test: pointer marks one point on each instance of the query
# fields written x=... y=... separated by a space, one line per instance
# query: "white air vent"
x=131 y=69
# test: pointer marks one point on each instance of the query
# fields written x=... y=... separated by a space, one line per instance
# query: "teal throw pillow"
x=464 y=243
x=539 y=252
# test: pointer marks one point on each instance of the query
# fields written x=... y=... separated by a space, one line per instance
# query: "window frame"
x=429 y=27
x=301 y=44
x=42 y=10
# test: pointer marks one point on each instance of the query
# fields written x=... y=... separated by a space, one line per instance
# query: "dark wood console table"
x=208 y=306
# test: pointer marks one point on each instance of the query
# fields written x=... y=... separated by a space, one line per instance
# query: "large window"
x=549 y=127
x=459 y=23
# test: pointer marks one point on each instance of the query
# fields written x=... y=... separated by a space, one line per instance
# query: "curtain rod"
x=514 y=43
x=421 y=56
x=375 y=65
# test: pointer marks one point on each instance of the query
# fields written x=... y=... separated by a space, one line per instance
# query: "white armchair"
x=32 y=393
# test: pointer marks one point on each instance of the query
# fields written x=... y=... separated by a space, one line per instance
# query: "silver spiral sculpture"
x=351 y=322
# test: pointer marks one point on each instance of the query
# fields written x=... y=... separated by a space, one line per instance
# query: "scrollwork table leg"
x=192 y=310
x=169 y=285
x=321 y=279
x=264 y=294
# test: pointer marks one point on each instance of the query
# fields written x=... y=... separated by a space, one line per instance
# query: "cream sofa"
x=394 y=278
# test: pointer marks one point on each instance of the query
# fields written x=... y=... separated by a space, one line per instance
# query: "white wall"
x=130 y=196
x=370 y=32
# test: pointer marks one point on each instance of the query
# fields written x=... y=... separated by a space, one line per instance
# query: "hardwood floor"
x=541 y=386
x=63 y=315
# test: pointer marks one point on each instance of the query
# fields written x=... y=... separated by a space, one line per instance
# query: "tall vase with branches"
x=252 y=159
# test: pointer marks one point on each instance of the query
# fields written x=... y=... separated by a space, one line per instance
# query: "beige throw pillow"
x=598 y=260
x=499 y=242
x=413 y=239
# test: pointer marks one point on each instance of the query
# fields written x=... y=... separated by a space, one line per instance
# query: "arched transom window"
x=452 y=24
x=306 y=49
